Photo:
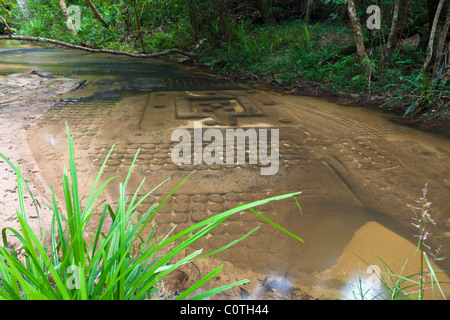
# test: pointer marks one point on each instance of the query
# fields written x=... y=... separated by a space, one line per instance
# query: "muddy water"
x=356 y=169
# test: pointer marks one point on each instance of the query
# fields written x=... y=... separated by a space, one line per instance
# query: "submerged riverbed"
x=356 y=169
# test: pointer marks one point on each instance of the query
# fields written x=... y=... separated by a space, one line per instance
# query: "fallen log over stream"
x=73 y=46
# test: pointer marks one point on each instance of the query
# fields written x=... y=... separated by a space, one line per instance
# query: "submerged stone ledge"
x=37 y=86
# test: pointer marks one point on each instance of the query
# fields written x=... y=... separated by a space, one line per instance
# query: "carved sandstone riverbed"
x=356 y=170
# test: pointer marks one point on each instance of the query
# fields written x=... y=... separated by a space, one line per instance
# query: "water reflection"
x=364 y=285
x=52 y=139
x=274 y=283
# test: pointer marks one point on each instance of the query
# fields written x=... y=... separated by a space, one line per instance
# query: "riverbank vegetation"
x=395 y=52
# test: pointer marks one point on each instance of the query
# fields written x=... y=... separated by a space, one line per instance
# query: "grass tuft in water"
x=389 y=285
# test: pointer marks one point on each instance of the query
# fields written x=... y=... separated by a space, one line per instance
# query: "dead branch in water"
x=73 y=46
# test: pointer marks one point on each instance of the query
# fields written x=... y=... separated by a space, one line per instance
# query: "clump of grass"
x=391 y=285
x=419 y=94
x=104 y=266
x=422 y=219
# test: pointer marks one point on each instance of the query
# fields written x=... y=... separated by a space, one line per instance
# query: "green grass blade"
x=199 y=283
x=228 y=245
x=433 y=275
x=215 y=291
x=276 y=225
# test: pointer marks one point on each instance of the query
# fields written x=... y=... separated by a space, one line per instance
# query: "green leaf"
x=276 y=225
x=199 y=283
x=215 y=291
x=410 y=107
x=433 y=275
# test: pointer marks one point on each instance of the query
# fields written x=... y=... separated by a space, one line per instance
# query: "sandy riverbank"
x=24 y=98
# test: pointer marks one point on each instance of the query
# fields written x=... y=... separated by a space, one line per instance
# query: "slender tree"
x=221 y=23
x=432 y=36
x=6 y=25
x=126 y=15
x=393 y=31
x=96 y=13
x=308 y=10
x=441 y=43
x=265 y=7
x=359 y=40
x=138 y=25
x=193 y=7
x=23 y=7
x=69 y=22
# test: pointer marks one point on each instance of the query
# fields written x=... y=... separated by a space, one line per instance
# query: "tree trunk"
x=96 y=13
x=441 y=44
x=447 y=62
x=193 y=17
x=432 y=35
x=6 y=25
x=359 y=40
x=69 y=22
x=222 y=24
x=23 y=7
x=265 y=7
x=308 y=10
x=126 y=16
x=393 y=31
x=138 y=25
x=432 y=6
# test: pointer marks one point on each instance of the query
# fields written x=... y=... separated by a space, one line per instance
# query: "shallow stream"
x=357 y=170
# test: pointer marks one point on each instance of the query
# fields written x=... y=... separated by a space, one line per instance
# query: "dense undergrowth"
x=293 y=53
x=303 y=59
